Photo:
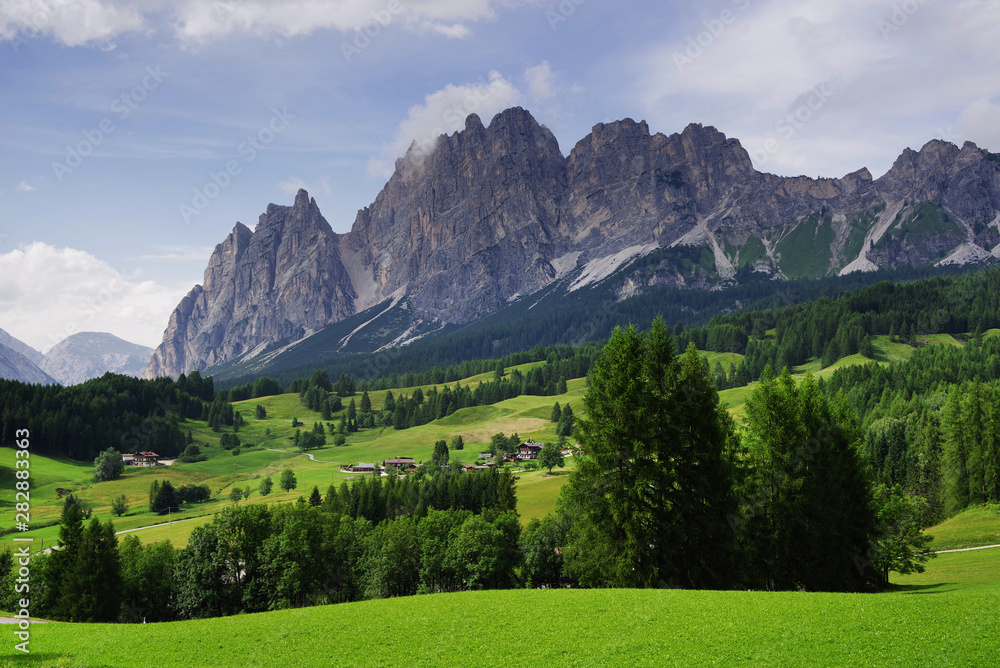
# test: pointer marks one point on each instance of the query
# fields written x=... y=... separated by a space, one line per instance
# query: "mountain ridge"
x=85 y=355
x=491 y=213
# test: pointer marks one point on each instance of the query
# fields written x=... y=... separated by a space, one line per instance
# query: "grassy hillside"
x=973 y=527
x=268 y=450
x=886 y=352
x=906 y=627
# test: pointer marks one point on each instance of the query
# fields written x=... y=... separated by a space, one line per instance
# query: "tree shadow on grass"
x=920 y=589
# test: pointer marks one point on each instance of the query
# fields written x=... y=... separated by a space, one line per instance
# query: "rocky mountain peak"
x=491 y=212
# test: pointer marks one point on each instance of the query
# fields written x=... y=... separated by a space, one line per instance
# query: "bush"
x=192 y=453
x=108 y=465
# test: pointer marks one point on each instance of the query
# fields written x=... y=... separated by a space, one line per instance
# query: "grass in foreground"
x=568 y=627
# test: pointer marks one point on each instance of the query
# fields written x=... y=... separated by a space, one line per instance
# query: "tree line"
x=433 y=531
x=830 y=328
x=129 y=413
x=931 y=423
x=667 y=493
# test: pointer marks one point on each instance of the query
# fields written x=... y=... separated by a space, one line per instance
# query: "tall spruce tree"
x=955 y=456
x=91 y=589
x=805 y=516
x=650 y=494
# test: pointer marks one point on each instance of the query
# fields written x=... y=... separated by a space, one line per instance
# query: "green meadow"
x=945 y=616
x=267 y=450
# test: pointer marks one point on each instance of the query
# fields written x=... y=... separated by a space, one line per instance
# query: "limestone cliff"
x=494 y=212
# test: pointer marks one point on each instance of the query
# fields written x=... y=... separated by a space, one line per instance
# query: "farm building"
x=529 y=450
x=147 y=459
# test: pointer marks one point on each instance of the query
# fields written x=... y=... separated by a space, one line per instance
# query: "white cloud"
x=78 y=22
x=70 y=22
x=455 y=30
x=202 y=21
x=541 y=82
x=444 y=112
x=747 y=73
x=980 y=122
x=48 y=293
x=23 y=187
x=292 y=184
x=178 y=254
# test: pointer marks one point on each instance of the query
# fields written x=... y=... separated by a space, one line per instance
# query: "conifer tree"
x=955 y=456
x=651 y=491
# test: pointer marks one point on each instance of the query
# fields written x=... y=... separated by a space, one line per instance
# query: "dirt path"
x=307 y=454
x=161 y=524
x=967 y=549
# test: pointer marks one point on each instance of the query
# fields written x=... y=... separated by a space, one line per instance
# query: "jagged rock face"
x=280 y=282
x=490 y=213
x=964 y=182
x=87 y=355
x=450 y=225
x=630 y=188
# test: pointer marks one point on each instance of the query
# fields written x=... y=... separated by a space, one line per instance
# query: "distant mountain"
x=21 y=347
x=15 y=366
x=491 y=214
x=87 y=355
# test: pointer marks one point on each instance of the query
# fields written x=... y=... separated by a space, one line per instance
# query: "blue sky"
x=161 y=96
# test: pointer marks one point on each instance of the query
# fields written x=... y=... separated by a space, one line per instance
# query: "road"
x=967 y=549
x=307 y=454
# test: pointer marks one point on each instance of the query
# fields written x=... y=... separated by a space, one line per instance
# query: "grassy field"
x=943 y=617
x=971 y=528
x=268 y=450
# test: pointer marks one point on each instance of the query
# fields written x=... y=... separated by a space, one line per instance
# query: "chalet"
x=362 y=467
x=401 y=462
x=529 y=450
x=147 y=459
x=485 y=455
x=128 y=459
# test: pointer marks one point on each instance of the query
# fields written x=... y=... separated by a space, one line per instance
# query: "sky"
x=134 y=135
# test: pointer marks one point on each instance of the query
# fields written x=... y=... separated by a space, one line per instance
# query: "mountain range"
x=73 y=360
x=492 y=214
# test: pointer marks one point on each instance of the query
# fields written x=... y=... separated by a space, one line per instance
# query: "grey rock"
x=492 y=213
x=15 y=366
x=86 y=355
